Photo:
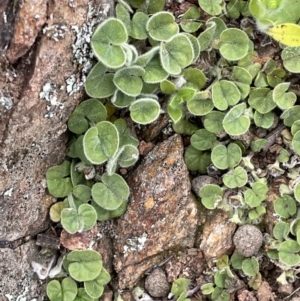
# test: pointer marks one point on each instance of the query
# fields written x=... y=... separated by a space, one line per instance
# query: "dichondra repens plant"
x=146 y=55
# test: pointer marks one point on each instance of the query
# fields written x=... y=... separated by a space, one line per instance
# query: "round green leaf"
x=264 y=120
x=296 y=143
x=288 y=252
x=234 y=122
x=212 y=7
x=213 y=121
x=154 y=73
x=236 y=178
x=258 y=193
x=207 y=288
x=106 y=42
x=195 y=45
x=58 y=180
x=291 y=59
x=162 y=26
x=180 y=285
x=196 y=160
x=55 y=211
x=257 y=212
x=128 y=80
x=111 y=193
x=138 y=26
x=66 y=290
x=144 y=110
x=189 y=20
x=99 y=84
x=291 y=115
x=176 y=54
x=203 y=139
x=206 y=37
x=195 y=77
x=297 y=191
x=128 y=156
x=83 y=296
x=237 y=260
x=281 y=231
x=242 y=79
x=84 y=265
x=224 y=94
x=210 y=195
x=285 y=206
x=103 y=215
x=250 y=266
x=261 y=100
x=283 y=99
x=295 y=127
x=234 y=44
x=220 y=294
x=89 y=111
x=101 y=142
x=95 y=287
x=121 y=100
x=201 y=104
x=226 y=157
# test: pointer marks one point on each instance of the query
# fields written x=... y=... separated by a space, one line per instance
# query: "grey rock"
x=156 y=283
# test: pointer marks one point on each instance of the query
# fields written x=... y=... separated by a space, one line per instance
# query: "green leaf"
x=210 y=195
x=220 y=294
x=288 y=252
x=224 y=94
x=236 y=178
x=258 y=193
x=283 y=99
x=128 y=80
x=250 y=266
x=203 y=139
x=138 y=26
x=207 y=288
x=226 y=157
x=281 y=231
x=295 y=127
x=83 y=220
x=206 y=37
x=125 y=134
x=180 y=286
x=89 y=111
x=213 y=121
x=291 y=59
x=196 y=160
x=55 y=211
x=234 y=44
x=58 y=180
x=66 y=290
x=201 y=104
x=106 y=43
x=257 y=212
x=291 y=115
x=154 y=73
x=129 y=155
x=175 y=113
x=286 y=33
x=189 y=21
x=183 y=126
x=95 y=287
x=242 y=79
x=83 y=296
x=121 y=100
x=261 y=100
x=101 y=142
x=111 y=193
x=144 y=110
x=176 y=54
x=237 y=260
x=234 y=122
x=103 y=214
x=285 y=206
x=195 y=45
x=195 y=77
x=162 y=26
x=84 y=265
x=99 y=84
x=123 y=15
x=213 y=7
x=296 y=143
x=168 y=87
x=264 y=120
x=297 y=191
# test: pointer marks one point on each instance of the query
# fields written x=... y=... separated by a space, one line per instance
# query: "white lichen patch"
x=55 y=32
x=83 y=54
x=49 y=93
x=6 y=103
x=8 y=193
x=135 y=243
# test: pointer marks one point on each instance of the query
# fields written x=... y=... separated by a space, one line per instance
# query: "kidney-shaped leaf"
x=291 y=59
x=91 y=110
x=129 y=81
x=203 y=139
x=144 y=110
x=258 y=193
x=283 y=99
x=212 y=7
x=84 y=265
x=162 y=26
x=101 y=142
x=250 y=266
x=234 y=122
x=201 y=104
x=58 y=180
x=176 y=54
x=190 y=20
x=210 y=195
x=285 y=206
x=288 y=252
x=66 y=290
x=107 y=40
x=291 y=115
x=111 y=193
x=234 y=44
x=236 y=178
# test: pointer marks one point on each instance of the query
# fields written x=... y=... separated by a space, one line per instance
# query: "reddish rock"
x=161 y=214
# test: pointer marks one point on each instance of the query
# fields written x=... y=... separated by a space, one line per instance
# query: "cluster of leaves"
x=82 y=266
x=224 y=279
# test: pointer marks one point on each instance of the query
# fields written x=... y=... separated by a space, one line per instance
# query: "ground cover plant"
x=150 y=63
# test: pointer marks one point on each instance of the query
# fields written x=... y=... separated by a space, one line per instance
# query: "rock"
x=161 y=213
x=286 y=289
x=17 y=279
x=264 y=292
x=217 y=234
x=248 y=240
x=156 y=283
